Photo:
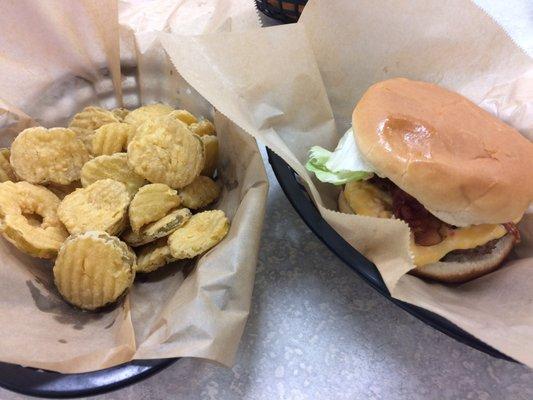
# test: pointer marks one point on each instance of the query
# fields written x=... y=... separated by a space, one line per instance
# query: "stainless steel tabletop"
x=317 y=331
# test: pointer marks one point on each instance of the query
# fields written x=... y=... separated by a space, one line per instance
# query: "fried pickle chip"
x=151 y=203
x=158 y=229
x=183 y=116
x=200 y=193
x=165 y=151
x=91 y=118
x=86 y=122
x=153 y=127
x=62 y=190
x=6 y=170
x=203 y=231
x=29 y=219
x=153 y=256
x=40 y=155
x=115 y=167
x=203 y=128
x=120 y=113
x=93 y=269
x=111 y=138
x=211 y=155
x=146 y=113
x=85 y=136
x=101 y=206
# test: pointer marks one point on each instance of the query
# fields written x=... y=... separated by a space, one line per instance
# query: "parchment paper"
x=296 y=86
x=59 y=56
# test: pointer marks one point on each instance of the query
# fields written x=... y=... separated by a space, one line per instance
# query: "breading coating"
x=203 y=128
x=153 y=256
x=158 y=229
x=29 y=220
x=94 y=269
x=6 y=170
x=85 y=136
x=92 y=118
x=165 y=151
x=151 y=203
x=183 y=116
x=40 y=155
x=211 y=155
x=111 y=138
x=147 y=113
x=101 y=206
x=115 y=167
x=200 y=193
x=199 y=234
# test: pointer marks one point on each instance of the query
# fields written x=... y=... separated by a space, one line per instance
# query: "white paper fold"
x=59 y=56
x=295 y=86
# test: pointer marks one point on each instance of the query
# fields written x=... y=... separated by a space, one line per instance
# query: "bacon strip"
x=427 y=229
x=513 y=230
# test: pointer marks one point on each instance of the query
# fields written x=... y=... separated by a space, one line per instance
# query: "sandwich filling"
x=431 y=238
x=367 y=194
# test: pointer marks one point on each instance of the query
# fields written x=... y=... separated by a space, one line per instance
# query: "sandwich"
x=460 y=178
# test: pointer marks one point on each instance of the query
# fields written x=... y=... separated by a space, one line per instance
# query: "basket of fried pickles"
x=116 y=193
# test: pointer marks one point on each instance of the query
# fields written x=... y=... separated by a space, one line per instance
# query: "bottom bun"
x=458 y=267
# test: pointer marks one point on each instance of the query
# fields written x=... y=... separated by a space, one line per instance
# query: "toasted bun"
x=467 y=266
x=463 y=164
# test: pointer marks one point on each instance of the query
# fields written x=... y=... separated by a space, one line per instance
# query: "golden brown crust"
x=463 y=164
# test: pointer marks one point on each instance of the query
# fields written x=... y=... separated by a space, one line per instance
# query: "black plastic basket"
x=302 y=203
x=282 y=10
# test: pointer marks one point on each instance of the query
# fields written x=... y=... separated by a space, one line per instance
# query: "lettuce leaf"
x=343 y=165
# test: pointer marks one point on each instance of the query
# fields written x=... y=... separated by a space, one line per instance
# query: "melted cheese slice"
x=458 y=239
x=367 y=199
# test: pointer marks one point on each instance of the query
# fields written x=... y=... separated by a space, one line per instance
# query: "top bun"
x=463 y=164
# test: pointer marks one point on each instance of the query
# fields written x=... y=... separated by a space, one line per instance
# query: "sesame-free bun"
x=465 y=267
x=463 y=164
